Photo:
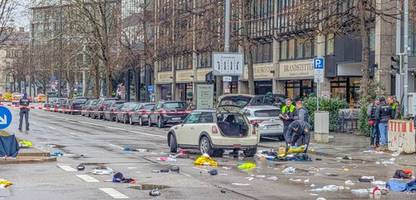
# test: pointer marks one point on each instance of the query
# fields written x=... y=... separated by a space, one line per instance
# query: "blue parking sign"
x=319 y=63
x=5 y=117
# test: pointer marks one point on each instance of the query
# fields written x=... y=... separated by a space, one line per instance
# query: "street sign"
x=319 y=63
x=204 y=96
x=227 y=64
x=151 y=89
x=318 y=76
x=5 y=117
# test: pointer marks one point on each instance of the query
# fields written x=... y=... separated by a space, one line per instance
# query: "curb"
x=28 y=160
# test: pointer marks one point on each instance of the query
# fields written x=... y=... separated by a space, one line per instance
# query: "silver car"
x=267 y=120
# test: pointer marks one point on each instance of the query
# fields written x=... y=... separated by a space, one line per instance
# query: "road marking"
x=67 y=168
x=116 y=146
x=115 y=128
x=114 y=193
x=87 y=178
x=147 y=134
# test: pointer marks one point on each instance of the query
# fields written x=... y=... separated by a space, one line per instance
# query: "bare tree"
x=7 y=9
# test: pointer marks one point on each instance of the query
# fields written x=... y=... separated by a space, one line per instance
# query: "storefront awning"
x=349 y=69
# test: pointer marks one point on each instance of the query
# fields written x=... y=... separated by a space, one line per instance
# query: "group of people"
x=379 y=113
x=295 y=119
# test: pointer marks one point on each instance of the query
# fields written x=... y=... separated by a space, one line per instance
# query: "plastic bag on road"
x=206 y=160
x=25 y=144
x=102 y=171
x=328 y=188
x=5 y=183
x=247 y=166
x=289 y=170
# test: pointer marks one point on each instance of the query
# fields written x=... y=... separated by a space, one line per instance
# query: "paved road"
x=96 y=142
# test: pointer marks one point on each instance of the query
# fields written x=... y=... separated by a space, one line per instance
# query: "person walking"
x=24 y=112
x=373 y=123
x=383 y=114
x=287 y=114
x=301 y=112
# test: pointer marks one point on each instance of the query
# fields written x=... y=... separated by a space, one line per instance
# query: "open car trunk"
x=232 y=125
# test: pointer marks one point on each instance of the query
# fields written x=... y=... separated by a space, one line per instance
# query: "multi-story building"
x=13 y=49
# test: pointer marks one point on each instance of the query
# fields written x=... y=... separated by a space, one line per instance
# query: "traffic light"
x=395 y=64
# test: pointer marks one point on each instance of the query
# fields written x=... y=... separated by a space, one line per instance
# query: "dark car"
x=141 y=115
x=66 y=106
x=88 y=107
x=168 y=112
x=98 y=110
x=125 y=111
x=243 y=100
x=59 y=104
x=75 y=106
x=49 y=103
x=111 y=112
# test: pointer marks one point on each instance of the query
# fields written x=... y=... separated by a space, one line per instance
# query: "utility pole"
x=61 y=32
x=406 y=56
x=399 y=77
x=227 y=15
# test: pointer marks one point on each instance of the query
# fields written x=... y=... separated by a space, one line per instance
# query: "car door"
x=186 y=132
x=153 y=115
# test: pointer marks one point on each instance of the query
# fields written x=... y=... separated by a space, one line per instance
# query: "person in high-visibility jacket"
x=287 y=114
x=391 y=101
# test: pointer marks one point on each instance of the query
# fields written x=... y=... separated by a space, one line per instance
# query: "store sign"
x=228 y=64
x=164 y=77
x=201 y=74
x=205 y=96
x=303 y=69
x=261 y=71
x=184 y=76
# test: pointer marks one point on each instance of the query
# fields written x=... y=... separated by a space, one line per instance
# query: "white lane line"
x=114 y=193
x=67 y=168
x=116 y=146
x=115 y=128
x=147 y=134
x=87 y=178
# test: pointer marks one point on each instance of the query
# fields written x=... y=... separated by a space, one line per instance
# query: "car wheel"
x=250 y=152
x=205 y=146
x=160 y=123
x=140 y=121
x=173 y=145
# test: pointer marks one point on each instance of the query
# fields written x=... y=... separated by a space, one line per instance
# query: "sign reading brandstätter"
x=302 y=69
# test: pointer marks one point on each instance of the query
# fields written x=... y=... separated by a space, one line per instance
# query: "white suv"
x=213 y=131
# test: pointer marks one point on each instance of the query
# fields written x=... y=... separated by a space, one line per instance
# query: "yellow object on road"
x=299 y=149
x=206 y=160
x=25 y=144
x=247 y=166
x=5 y=183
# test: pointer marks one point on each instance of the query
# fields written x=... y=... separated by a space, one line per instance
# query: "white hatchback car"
x=267 y=120
x=213 y=131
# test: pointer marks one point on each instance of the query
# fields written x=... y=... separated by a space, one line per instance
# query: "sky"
x=22 y=14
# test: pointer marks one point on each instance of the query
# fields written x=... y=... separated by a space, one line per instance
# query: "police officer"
x=24 y=111
x=287 y=114
x=394 y=106
x=301 y=112
x=383 y=114
x=373 y=123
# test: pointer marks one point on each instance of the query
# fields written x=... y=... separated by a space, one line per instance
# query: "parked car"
x=213 y=131
x=98 y=110
x=243 y=100
x=141 y=115
x=110 y=113
x=66 y=106
x=168 y=112
x=58 y=104
x=124 y=114
x=87 y=108
x=49 y=103
x=76 y=105
x=266 y=119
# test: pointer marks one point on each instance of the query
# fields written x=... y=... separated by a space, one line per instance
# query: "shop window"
x=346 y=88
x=299 y=88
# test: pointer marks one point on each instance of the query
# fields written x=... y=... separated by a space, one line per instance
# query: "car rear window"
x=267 y=113
x=240 y=101
x=149 y=106
x=174 y=105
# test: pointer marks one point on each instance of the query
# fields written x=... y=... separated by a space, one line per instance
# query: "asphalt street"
x=102 y=143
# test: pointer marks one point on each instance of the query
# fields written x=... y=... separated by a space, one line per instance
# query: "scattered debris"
x=167 y=159
x=240 y=184
x=367 y=179
x=119 y=178
x=205 y=159
x=397 y=185
x=320 y=198
x=346 y=158
x=57 y=153
x=261 y=176
x=213 y=172
x=164 y=170
x=127 y=148
x=25 y=143
x=175 y=169
x=289 y=170
x=349 y=182
x=306 y=181
x=247 y=166
x=272 y=178
x=81 y=167
x=223 y=191
x=5 y=183
x=403 y=174
x=102 y=170
x=328 y=188
x=295 y=180
x=154 y=193
x=395 y=154
x=360 y=193
x=249 y=178
x=379 y=184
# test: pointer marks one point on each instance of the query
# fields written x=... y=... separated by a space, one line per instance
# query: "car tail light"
x=214 y=130
x=255 y=122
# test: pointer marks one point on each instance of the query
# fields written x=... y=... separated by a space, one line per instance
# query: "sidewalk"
x=340 y=145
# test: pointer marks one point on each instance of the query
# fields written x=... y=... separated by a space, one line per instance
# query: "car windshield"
x=267 y=113
x=149 y=106
x=174 y=105
x=240 y=101
x=80 y=100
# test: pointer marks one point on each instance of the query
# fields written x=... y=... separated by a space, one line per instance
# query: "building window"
x=291 y=49
x=372 y=39
x=283 y=50
x=308 y=49
x=299 y=48
x=330 y=44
